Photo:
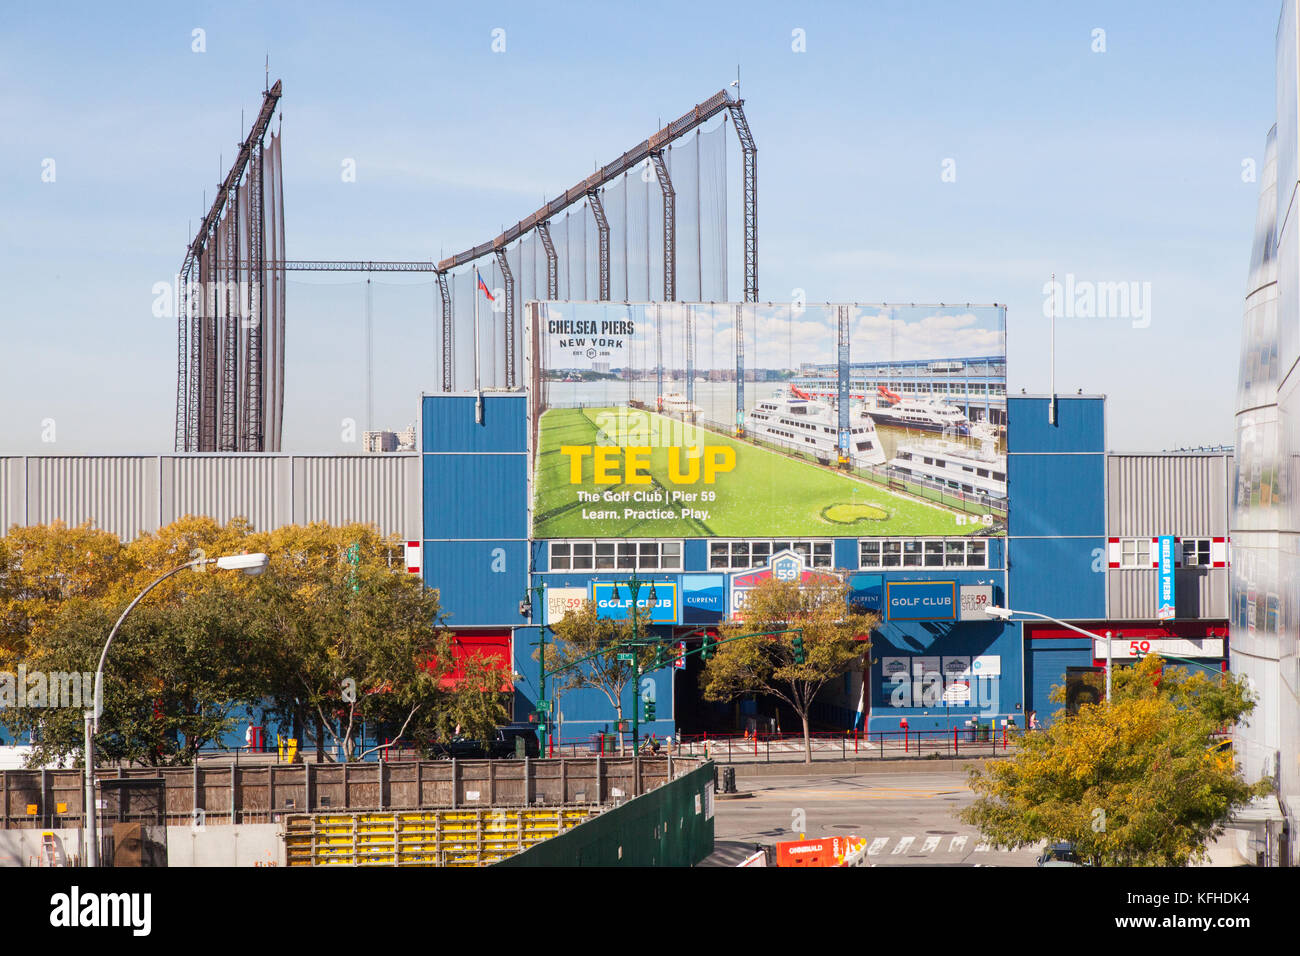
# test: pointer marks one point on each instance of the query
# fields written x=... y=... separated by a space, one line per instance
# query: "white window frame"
x=611 y=554
x=922 y=553
x=820 y=552
x=1198 y=547
x=1134 y=553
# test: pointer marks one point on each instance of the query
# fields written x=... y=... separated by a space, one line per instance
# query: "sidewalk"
x=739 y=751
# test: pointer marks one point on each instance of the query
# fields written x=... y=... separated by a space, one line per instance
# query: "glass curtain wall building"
x=1264 y=609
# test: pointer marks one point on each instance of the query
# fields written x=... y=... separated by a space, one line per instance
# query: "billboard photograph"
x=748 y=420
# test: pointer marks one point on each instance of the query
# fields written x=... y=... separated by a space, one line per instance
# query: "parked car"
x=1060 y=853
x=502 y=745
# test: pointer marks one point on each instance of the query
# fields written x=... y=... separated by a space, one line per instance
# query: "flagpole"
x=478 y=390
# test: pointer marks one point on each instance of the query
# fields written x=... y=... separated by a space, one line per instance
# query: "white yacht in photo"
x=925 y=413
x=795 y=419
x=955 y=465
x=675 y=403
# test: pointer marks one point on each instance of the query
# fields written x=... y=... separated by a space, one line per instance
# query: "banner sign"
x=647 y=426
x=921 y=601
x=974 y=600
x=664 y=610
x=784 y=566
x=1165 y=579
x=1123 y=647
x=560 y=601
x=702 y=598
x=867 y=593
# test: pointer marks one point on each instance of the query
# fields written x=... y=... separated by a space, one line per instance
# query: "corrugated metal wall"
x=128 y=495
x=1198 y=593
x=1186 y=495
x=1183 y=495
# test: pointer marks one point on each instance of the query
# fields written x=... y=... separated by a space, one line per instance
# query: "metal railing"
x=984 y=741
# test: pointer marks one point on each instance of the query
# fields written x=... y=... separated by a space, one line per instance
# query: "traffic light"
x=650 y=709
x=707 y=650
x=660 y=658
x=798 y=649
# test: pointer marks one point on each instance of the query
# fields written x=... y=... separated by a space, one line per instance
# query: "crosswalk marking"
x=902 y=845
x=981 y=847
x=957 y=844
x=878 y=844
x=930 y=843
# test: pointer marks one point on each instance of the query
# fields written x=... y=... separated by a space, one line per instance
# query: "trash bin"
x=972 y=728
x=728 y=779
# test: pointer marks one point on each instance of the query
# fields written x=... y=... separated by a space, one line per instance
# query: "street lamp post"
x=544 y=715
x=248 y=563
x=1004 y=614
x=634 y=586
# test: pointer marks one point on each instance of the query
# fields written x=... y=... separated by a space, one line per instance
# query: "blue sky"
x=1117 y=166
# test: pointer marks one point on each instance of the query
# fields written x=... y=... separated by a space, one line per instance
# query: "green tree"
x=334 y=632
x=586 y=654
x=474 y=701
x=833 y=638
x=1132 y=782
x=353 y=644
x=173 y=682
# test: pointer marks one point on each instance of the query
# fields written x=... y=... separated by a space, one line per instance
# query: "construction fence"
x=672 y=825
x=208 y=794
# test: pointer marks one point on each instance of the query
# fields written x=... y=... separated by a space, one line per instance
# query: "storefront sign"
x=1165 y=579
x=974 y=600
x=866 y=593
x=784 y=566
x=921 y=600
x=663 y=611
x=702 y=596
x=560 y=601
x=1121 y=647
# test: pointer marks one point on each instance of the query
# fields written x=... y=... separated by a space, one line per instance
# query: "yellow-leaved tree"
x=1136 y=781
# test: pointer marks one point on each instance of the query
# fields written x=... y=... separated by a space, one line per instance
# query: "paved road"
x=906 y=818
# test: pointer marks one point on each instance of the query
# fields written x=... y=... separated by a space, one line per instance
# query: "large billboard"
x=760 y=420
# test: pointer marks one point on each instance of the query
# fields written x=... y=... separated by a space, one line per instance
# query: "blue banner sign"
x=702 y=598
x=866 y=593
x=1165 y=579
x=921 y=601
x=664 y=610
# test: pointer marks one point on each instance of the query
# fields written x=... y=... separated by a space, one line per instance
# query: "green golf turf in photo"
x=766 y=494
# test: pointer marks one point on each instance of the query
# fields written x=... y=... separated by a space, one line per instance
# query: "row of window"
x=924 y=553
x=1137 y=552
x=872 y=553
x=741 y=555
x=616 y=555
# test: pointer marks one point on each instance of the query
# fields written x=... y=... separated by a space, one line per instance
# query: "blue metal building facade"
x=479 y=556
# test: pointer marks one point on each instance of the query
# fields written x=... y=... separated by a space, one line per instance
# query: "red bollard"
x=903 y=725
x=954 y=741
